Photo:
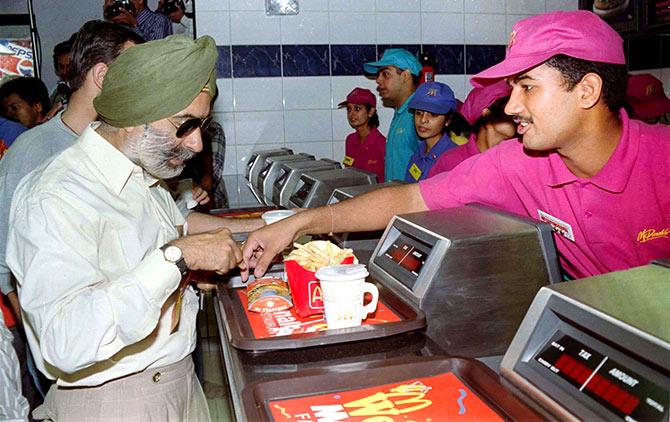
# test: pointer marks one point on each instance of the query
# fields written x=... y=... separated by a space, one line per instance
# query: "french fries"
x=318 y=253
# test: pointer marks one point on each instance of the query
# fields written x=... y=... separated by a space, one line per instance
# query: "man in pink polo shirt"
x=483 y=109
x=599 y=178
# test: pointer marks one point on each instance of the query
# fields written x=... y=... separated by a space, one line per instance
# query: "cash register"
x=473 y=271
x=255 y=166
x=290 y=174
x=597 y=348
x=270 y=172
x=315 y=187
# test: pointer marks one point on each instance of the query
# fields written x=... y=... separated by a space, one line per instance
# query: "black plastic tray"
x=242 y=336
x=481 y=380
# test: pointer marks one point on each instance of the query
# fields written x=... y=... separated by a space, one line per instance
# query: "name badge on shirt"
x=415 y=171
x=348 y=161
x=557 y=225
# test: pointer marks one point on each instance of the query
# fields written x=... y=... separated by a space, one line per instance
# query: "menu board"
x=616 y=387
x=440 y=397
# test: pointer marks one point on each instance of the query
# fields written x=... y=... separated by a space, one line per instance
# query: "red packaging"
x=305 y=288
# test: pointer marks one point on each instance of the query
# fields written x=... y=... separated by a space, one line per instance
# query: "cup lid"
x=276 y=215
x=342 y=272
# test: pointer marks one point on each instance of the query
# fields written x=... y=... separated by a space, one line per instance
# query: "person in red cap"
x=599 y=178
x=646 y=98
x=364 y=148
x=484 y=112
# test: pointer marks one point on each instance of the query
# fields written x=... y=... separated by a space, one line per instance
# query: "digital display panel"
x=619 y=389
x=409 y=255
x=282 y=178
x=265 y=170
x=302 y=191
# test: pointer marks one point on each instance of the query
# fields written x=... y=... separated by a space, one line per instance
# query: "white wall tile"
x=260 y=127
x=398 y=5
x=468 y=85
x=247 y=5
x=398 y=28
x=385 y=117
x=484 y=6
x=342 y=85
x=442 y=6
x=306 y=92
x=313 y=5
x=665 y=78
x=208 y=5
x=257 y=94
x=485 y=29
x=352 y=5
x=527 y=7
x=511 y=20
x=224 y=102
x=455 y=82
x=352 y=28
x=442 y=28
x=216 y=24
x=338 y=150
x=227 y=122
x=341 y=126
x=305 y=28
x=254 y=28
x=317 y=149
x=562 y=5
x=308 y=126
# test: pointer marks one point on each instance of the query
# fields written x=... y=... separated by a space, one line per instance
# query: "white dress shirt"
x=84 y=239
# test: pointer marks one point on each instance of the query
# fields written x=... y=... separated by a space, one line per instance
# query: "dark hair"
x=613 y=76
x=373 y=122
x=497 y=114
x=97 y=42
x=459 y=125
x=29 y=89
x=63 y=48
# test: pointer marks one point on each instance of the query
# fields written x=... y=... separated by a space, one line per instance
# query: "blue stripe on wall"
x=250 y=61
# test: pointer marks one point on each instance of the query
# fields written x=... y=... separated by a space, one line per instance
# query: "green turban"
x=156 y=80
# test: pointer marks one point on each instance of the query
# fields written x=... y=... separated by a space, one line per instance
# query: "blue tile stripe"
x=250 y=61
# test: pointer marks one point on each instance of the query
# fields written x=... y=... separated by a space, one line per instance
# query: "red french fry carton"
x=305 y=288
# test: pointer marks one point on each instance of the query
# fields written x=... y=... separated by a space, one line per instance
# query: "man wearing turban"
x=99 y=248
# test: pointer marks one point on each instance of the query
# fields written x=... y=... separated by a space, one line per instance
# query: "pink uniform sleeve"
x=479 y=179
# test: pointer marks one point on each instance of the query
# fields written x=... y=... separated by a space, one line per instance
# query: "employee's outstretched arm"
x=371 y=211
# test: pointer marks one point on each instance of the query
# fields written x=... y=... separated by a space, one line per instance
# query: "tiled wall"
x=281 y=78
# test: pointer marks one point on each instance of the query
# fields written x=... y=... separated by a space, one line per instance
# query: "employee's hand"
x=265 y=243
x=212 y=251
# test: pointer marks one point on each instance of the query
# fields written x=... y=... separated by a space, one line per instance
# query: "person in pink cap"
x=599 y=178
x=483 y=109
x=646 y=98
x=364 y=148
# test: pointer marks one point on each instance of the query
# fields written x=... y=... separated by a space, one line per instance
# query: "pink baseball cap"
x=579 y=33
x=646 y=97
x=482 y=97
x=359 y=96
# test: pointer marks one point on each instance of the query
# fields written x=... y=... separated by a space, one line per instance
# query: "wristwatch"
x=173 y=255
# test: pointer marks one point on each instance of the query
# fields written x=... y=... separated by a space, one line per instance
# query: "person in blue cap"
x=397 y=78
x=432 y=105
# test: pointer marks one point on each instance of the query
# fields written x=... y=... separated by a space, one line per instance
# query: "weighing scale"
x=597 y=348
x=472 y=270
x=270 y=173
x=315 y=187
x=290 y=174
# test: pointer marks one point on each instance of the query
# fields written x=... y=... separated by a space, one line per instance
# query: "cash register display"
x=282 y=178
x=409 y=254
x=302 y=190
x=338 y=197
x=251 y=162
x=617 y=388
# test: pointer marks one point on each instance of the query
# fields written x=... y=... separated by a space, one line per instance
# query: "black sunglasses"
x=190 y=125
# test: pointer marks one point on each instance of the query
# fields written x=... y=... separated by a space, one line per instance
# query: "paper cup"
x=344 y=290
x=273 y=216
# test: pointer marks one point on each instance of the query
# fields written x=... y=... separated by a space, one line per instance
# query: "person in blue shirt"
x=9 y=131
x=397 y=76
x=432 y=105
